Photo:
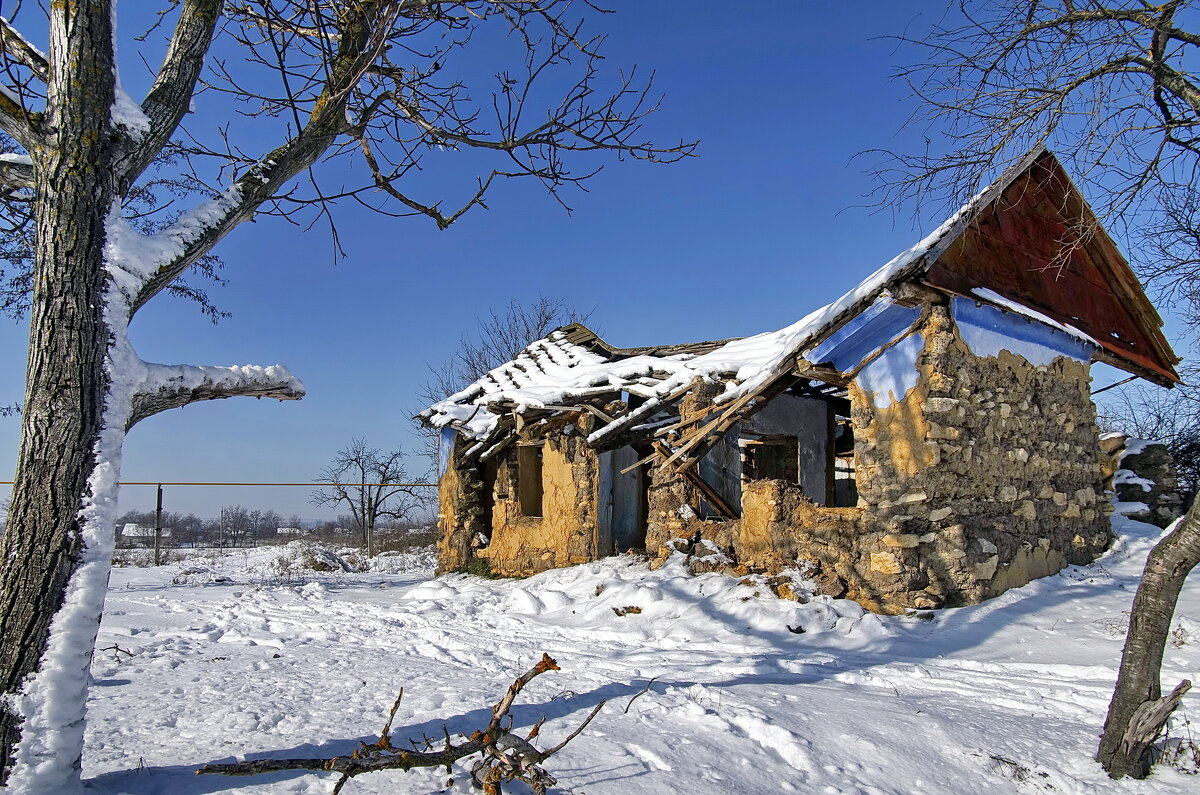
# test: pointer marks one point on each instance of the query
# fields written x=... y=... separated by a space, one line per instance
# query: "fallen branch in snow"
x=505 y=756
x=641 y=692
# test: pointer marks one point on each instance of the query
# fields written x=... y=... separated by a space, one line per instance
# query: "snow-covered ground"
x=221 y=657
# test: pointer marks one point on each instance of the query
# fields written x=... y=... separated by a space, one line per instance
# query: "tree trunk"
x=1127 y=736
x=66 y=379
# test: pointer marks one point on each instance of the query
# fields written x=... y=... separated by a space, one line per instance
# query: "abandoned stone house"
x=928 y=439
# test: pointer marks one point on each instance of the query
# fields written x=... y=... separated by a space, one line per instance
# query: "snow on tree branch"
x=19 y=49
x=16 y=172
x=364 y=35
x=174 y=386
x=19 y=122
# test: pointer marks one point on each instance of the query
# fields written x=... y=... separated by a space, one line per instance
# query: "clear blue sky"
x=765 y=225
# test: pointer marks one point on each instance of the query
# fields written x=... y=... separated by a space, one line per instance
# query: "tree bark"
x=1127 y=736
x=66 y=379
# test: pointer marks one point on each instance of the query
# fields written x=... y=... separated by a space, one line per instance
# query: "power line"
x=244 y=483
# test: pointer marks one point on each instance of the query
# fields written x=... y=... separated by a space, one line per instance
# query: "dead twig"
x=504 y=756
x=638 y=694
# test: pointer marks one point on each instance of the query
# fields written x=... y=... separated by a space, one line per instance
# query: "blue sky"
x=764 y=225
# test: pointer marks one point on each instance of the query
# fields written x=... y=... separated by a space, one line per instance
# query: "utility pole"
x=158 y=527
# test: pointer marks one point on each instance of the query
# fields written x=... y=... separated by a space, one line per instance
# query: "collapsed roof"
x=1027 y=244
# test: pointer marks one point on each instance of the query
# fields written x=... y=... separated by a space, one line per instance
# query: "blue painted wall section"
x=862 y=335
x=988 y=330
x=893 y=373
x=445 y=448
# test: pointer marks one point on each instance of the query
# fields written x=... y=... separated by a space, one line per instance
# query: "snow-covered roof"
x=571 y=365
x=134 y=530
x=556 y=371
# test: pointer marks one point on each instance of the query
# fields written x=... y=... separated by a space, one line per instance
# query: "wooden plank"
x=699 y=436
x=710 y=495
x=644 y=410
x=703 y=439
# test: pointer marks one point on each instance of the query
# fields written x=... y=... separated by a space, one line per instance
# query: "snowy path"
x=1004 y=697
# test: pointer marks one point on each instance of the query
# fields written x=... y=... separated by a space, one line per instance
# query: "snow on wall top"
x=554 y=371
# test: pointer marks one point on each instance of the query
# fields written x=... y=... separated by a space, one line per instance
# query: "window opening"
x=772 y=458
x=845 y=483
x=529 y=479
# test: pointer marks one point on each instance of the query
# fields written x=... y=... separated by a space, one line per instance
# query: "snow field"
x=708 y=690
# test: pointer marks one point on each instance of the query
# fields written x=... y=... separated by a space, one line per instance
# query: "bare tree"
x=370 y=483
x=1109 y=81
x=497 y=339
x=1109 y=85
x=354 y=93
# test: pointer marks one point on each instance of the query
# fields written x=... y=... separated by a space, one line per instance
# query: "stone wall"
x=1145 y=476
x=461 y=519
x=982 y=477
x=514 y=544
x=565 y=534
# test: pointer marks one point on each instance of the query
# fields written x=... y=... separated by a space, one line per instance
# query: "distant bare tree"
x=234 y=526
x=496 y=339
x=363 y=478
x=1111 y=86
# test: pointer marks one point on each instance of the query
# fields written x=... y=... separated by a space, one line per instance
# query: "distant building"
x=135 y=530
x=135 y=535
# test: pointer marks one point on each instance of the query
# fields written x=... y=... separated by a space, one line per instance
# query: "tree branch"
x=23 y=125
x=506 y=756
x=16 y=172
x=175 y=386
x=16 y=47
x=170 y=96
x=364 y=34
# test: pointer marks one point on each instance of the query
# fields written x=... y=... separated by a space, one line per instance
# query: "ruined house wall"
x=976 y=474
x=460 y=516
x=1144 y=473
x=566 y=532
x=983 y=476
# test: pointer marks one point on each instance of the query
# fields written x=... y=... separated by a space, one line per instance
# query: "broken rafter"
x=697 y=437
x=709 y=493
x=815 y=372
x=646 y=460
x=600 y=435
x=696 y=444
x=833 y=396
x=922 y=318
x=485 y=448
x=497 y=448
x=706 y=490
